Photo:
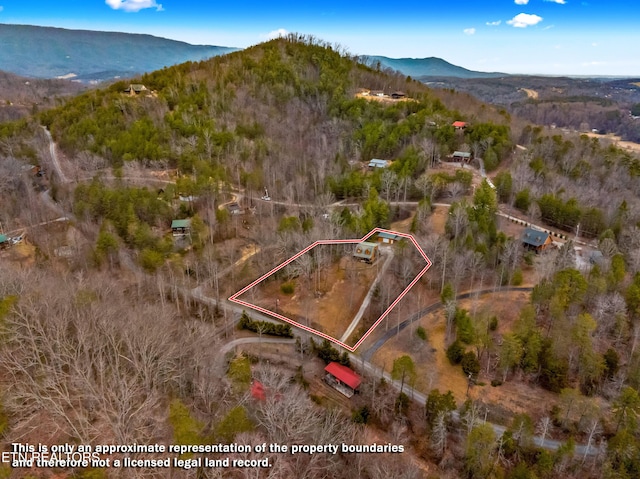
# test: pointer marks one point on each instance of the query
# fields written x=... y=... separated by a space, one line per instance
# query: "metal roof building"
x=377 y=163
x=342 y=378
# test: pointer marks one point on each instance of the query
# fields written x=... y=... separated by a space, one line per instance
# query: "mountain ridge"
x=429 y=67
x=50 y=52
x=92 y=55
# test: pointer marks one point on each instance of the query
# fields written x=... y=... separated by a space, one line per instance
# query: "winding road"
x=363 y=359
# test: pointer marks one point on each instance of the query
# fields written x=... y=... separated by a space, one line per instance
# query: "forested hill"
x=20 y=96
x=46 y=52
x=282 y=114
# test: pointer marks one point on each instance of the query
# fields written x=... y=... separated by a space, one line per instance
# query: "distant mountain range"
x=47 y=52
x=419 y=68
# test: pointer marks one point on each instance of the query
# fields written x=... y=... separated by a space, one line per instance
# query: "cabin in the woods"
x=136 y=89
x=387 y=238
x=181 y=227
x=342 y=378
x=461 y=156
x=366 y=252
x=377 y=163
x=536 y=240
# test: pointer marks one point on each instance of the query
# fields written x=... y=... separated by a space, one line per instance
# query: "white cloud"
x=280 y=32
x=469 y=31
x=494 y=24
x=593 y=64
x=133 y=5
x=524 y=20
x=521 y=2
x=561 y=2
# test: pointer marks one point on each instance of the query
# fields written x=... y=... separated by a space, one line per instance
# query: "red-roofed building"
x=342 y=378
x=459 y=125
x=257 y=391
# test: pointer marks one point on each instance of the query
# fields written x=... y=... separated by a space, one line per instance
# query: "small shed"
x=461 y=156
x=459 y=125
x=396 y=95
x=342 y=378
x=366 y=252
x=181 y=227
x=387 y=238
x=4 y=241
x=536 y=240
x=377 y=163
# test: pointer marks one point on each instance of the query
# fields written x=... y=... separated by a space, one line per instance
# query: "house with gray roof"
x=536 y=240
x=366 y=252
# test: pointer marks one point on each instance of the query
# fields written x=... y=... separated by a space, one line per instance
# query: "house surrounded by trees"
x=536 y=240
x=366 y=252
x=342 y=378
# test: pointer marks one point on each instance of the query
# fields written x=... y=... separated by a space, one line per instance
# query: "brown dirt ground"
x=435 y=371
x=330 y=313
x=382 y=99
x=438 y=219
x=23 y=253
x=629 y=145
x=403 y=226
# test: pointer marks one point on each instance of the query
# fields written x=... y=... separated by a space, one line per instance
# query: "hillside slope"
x=282 y=114
x=46 y=52
x=19 y=96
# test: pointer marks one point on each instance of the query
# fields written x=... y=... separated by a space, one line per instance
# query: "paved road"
x=376 y=372
x=369 y=352
x=363 y=360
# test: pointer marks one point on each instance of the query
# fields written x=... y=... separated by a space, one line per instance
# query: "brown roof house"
x=136 y=89
x=366 y=252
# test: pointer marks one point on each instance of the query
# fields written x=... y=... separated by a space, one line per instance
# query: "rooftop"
x=365 y=250
x=534 y=237
x=377 y=163
x=181 y=223
x=344 y=374
x=392 y=236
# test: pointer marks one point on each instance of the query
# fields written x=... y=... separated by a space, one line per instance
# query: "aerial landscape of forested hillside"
x=131 y=211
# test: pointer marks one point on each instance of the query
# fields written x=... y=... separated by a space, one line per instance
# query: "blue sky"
x=556 y=37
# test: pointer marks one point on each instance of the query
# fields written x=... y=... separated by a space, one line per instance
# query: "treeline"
x=573 y=183
x=265 y=327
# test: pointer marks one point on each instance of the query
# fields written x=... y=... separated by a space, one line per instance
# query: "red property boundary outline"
x=234 y=298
